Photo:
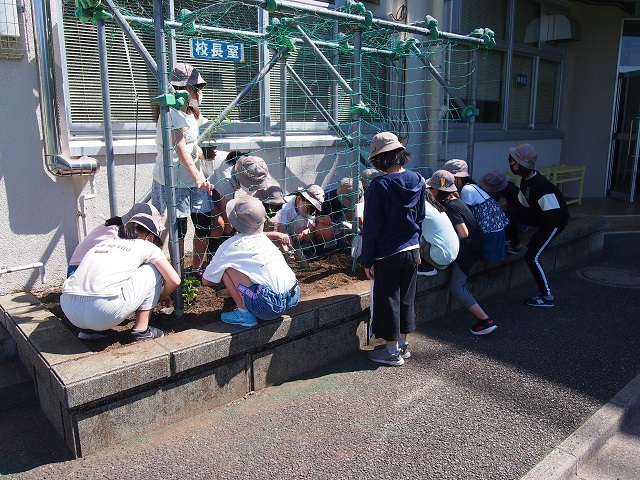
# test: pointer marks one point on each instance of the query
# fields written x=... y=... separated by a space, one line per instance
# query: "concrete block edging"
x=82 y=390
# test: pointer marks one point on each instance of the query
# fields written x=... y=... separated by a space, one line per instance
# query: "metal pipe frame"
x=283 y=117
x=434 y=72
x=169 y=177
x=357 y=117
x=135 y=41
x=246 y=33
x=472 y=119
x=106 y=117
x=290 y=7
x=320 y=56
x=323 y=111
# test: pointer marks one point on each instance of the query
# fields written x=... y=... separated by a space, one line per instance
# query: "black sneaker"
x=483 y=327
x=540 y=301
x=148 y=334
x=404 y=351
x=511 y=248
x=426 y=270
x=87 y=334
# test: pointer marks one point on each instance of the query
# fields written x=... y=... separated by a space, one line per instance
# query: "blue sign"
x=206 y=49
x=522 y=80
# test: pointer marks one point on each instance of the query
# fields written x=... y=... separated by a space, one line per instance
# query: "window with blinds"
x=129 y=77
x=533 y=92
x=485 y=14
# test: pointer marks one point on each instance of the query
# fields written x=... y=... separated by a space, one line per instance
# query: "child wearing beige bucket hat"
x=471 y=243
x=192 y=189
x=252 y=268
x=118 y=277
x=235 y=173
x=393 y=213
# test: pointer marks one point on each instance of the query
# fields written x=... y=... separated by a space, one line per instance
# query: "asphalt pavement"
x=462 y=407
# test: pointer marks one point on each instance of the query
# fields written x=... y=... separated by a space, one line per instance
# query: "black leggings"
x=201 y=222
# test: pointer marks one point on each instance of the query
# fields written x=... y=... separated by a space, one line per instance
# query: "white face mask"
x=193 y=102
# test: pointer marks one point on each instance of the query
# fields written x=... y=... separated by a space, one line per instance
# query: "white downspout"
x=55 y=163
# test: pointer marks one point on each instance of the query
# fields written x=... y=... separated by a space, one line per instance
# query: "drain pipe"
x=56 y=164
x=38 y=265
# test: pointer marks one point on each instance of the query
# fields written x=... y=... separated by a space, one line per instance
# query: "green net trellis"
x=396 y=90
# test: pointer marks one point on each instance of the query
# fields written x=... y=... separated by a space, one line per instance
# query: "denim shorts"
x=188 y=200
x=266 y=304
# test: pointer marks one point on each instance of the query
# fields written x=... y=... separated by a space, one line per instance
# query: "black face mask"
x=521 y=171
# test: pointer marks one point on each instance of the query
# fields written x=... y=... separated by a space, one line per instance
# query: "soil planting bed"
x=323 y=274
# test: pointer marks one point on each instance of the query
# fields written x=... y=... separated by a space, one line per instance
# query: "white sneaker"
x=426 y=270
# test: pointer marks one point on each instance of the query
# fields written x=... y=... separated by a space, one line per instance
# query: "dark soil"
x=324 y=274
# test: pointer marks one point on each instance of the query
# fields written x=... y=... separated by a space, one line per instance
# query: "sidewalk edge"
x=564 y=461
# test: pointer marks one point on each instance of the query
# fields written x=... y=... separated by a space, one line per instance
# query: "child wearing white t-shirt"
x=118 y=277
x=252 y=268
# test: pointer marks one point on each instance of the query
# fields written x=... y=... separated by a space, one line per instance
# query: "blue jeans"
x=266 y=304
x=140 y=292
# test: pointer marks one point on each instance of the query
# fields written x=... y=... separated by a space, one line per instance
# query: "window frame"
x=123 y=130
x=543 y=51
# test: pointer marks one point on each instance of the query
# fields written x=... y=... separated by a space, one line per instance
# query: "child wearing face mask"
x=443 y=186
x=193 y=190
x=545 y=208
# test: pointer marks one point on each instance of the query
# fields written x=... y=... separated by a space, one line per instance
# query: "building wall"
x=38 y=221
x=589 y=91
x=42 y=222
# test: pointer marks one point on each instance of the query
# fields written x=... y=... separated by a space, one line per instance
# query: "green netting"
x=396 y=91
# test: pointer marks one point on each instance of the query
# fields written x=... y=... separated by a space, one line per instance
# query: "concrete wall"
x=589 y=91
x=38 y=218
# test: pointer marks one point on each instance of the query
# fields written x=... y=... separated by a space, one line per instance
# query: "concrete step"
x=8 y=346
x=623 y=223
x=16 y=386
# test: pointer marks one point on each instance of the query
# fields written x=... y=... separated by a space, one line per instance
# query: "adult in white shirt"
x=252 y=268
x=118 y=277
x=193 y=190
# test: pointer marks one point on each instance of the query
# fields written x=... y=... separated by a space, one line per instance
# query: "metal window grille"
x=12 y=31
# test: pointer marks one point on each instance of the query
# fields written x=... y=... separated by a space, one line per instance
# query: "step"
x=623 y=223
x=16 y=386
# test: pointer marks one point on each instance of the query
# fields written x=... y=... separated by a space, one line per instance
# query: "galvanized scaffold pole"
x=169 y=176
x=106 y=118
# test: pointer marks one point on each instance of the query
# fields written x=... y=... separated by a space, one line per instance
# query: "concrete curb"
x=565 y=461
